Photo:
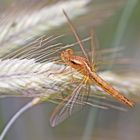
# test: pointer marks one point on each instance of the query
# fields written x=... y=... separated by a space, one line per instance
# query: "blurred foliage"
x=105 y=16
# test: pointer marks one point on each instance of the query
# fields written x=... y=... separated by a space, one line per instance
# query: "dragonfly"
x=83 y=65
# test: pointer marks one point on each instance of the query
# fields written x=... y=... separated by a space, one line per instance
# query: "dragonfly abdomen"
x=110 y=89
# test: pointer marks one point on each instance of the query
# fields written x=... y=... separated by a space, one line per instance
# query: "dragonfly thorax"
x=79 y=63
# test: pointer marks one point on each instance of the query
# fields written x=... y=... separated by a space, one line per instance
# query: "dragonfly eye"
x=69 y=51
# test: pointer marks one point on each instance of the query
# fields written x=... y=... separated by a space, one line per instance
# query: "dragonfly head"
x=66 y=55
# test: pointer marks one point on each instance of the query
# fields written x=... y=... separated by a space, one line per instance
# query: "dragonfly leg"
x=58 y=72
x=86 y=79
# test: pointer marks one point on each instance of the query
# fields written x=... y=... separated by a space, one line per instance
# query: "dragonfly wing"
x=104 y=103
x=67 y=107
x=75 y=102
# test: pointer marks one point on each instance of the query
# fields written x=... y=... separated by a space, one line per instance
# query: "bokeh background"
x=117 y=26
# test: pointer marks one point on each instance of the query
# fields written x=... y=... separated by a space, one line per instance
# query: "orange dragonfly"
x=83 y=66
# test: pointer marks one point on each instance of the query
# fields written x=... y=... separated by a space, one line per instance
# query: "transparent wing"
x=76 y=101
x=68 y=106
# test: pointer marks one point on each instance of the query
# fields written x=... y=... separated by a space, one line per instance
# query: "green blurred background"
x=117 y=25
